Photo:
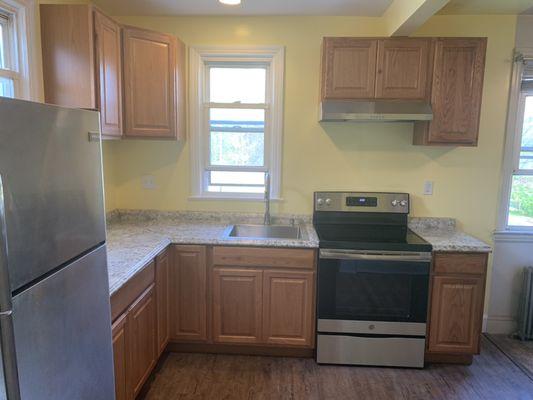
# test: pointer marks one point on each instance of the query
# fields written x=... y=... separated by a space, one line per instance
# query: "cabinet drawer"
x=460 y=263
x=263 y=257
x=126 y=295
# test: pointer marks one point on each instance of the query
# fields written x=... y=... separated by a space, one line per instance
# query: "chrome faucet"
x=266 y=220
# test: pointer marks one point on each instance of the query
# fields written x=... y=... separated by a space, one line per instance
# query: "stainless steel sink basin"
x=263 y=231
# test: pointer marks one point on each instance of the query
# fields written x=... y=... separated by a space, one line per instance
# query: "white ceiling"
x=511 y=7
x=371 y=8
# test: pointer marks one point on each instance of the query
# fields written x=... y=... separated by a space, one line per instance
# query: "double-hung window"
x=518 y=165
x=236 y=121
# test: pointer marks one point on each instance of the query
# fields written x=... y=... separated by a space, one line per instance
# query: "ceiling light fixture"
x=230 y=2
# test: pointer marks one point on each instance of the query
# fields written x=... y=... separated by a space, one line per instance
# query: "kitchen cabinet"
x=456 y=91
x=348 y=68
x=188 y=293
x=152 y=103
x=288 y=312
x=82 y=61
x=403 y=68
x=237 y=305
x=456 y=307
x=162 y=281
x=108 y=74
x=120 y=354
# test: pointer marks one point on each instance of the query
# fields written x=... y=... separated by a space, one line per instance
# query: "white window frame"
x=23 y=67
x=511 y=158
x=200 y=58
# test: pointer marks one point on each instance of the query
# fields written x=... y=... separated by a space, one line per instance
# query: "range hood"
x=375 y=110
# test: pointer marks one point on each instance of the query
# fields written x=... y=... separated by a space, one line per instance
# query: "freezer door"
x=63 y=334
x=53 y=189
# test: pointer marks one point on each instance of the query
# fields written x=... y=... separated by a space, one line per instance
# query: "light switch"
x=428 y=188
x=148 y=182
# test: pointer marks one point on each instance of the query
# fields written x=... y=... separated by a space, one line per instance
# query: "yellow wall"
x=334 y=156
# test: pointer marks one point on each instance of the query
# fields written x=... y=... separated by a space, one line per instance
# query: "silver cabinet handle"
x=7 y=333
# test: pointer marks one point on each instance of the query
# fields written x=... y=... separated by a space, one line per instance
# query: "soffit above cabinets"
x=366 y=8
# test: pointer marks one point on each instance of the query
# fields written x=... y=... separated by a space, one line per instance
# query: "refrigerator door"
x=63 y=334
x=53 y=188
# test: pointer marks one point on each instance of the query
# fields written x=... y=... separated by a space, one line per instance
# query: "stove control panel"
x=362 y=202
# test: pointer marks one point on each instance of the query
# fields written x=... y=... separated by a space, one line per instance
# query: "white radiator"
x=525 y=316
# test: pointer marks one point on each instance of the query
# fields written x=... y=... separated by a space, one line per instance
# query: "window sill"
x=513 y=236
x=233 y=198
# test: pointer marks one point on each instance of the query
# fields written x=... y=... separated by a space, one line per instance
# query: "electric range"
x=373 y=280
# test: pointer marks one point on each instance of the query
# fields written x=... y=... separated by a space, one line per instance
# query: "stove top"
x=365 y=221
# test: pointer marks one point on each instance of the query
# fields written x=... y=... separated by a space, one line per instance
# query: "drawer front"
x=264 y=257
x=127 y=294
x=460 y=263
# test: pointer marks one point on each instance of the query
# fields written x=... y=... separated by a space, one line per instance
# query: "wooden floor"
x=521 y=353
x=493 y=375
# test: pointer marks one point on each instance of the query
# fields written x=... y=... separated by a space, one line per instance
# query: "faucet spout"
x=266 y=220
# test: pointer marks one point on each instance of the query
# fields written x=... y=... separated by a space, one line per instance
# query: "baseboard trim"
x=240 y=349
x=500 y=324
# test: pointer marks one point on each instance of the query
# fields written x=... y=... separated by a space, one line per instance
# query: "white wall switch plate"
x=428 y=188
x=148 y=182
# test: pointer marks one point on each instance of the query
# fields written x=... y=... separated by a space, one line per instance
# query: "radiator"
x=525 y=315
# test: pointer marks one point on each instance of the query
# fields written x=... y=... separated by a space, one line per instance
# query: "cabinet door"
x=109 y=74
x=456 y=314
x=120 y=356
x=456 y=92
x=143 y=341
x=348 y=68
x=149 y=83
x=188 y=277
x=288 y=308
x=162 y=292
x=402 y=68
x=237 y=305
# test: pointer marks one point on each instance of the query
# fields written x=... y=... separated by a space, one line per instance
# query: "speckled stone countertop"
x=135 y=237
x=444 y=236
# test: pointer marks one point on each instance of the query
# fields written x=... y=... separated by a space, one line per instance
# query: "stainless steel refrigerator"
x=54 y=293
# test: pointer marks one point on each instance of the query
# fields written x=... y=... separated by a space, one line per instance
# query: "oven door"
x=377 y=287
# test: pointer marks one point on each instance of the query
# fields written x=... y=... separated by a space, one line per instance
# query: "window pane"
x=521 y=205
x=236 y=181
x=2 y=45
x=526 y=153
x=229 y=85
x=7 y=87
x=237 y=137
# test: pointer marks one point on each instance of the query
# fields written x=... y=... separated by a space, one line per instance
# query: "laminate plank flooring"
x=521 y=353
x=181 y=376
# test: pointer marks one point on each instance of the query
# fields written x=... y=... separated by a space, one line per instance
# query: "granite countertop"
x=134 y=238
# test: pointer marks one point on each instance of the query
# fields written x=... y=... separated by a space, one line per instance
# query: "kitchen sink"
x=263 y=231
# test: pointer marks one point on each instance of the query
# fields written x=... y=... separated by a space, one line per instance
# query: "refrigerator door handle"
x=7 y=333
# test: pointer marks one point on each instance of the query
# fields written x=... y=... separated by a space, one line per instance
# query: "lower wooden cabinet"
x=457 y=298
x=120 y=353
x=237 y=305
x=162 y=288
x=188 y=295
x=288 y=308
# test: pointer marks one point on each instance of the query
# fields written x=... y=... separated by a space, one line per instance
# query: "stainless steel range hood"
x=375 y=110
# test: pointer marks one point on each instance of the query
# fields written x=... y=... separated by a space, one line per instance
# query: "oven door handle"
x=377 y=256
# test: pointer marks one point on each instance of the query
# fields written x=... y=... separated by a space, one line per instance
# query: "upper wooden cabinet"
x=134 y=77
x=348 y=68
x=150 y=72
x=403 y=69
x=456 y=92
x=109 y=74
x=355 y=68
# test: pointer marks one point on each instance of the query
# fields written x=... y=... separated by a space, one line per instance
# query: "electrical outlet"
x=428 y=188
x=148 y=182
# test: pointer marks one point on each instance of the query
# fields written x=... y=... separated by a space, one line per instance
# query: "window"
x=14 y=51
x=236 y=121
x=518 y=164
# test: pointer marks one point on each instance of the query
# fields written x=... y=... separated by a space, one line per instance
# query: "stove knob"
x=403 y=203
x=395 y=203
x=328 y=202
x=319 y=201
